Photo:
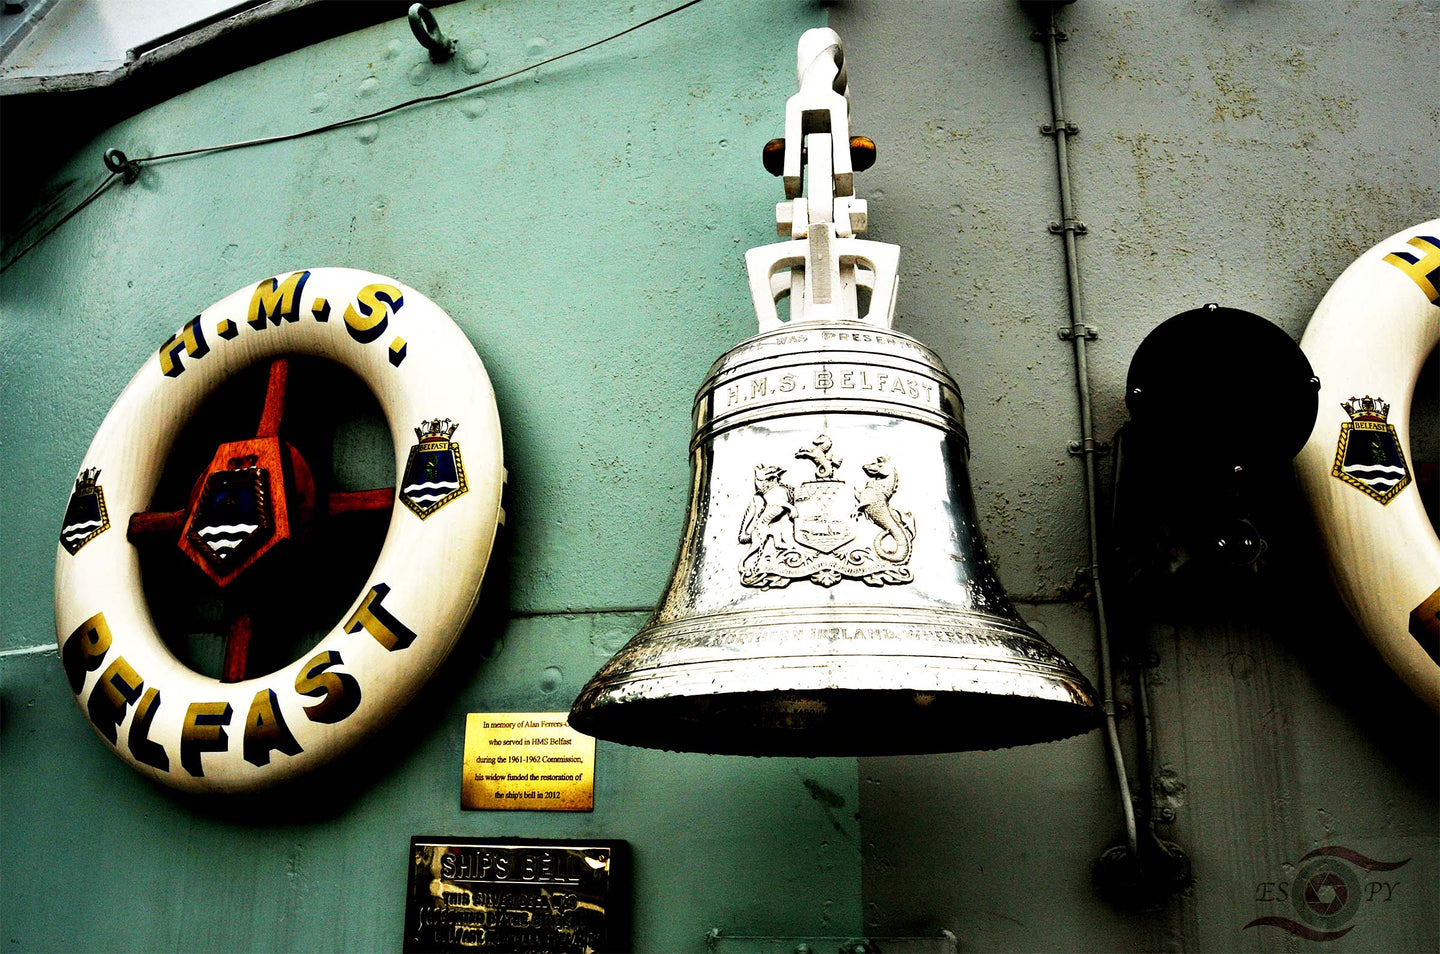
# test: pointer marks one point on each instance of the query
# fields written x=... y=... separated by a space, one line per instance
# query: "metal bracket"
x=823 y=264
x=428 y=32
x=122 y=165
x=1069 y=128
x=1088 y=446
x=1060 y=35
x=1082 y=582
x=1069 y=225
x=1088 y=332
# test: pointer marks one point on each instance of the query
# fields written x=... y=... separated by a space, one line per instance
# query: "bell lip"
x=971 y=693
x=965 y=722
x=918 y=674
x=931 y=673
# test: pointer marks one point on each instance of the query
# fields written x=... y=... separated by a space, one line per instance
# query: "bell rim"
x=923 y=674
x=947 y=723
x=987 y=664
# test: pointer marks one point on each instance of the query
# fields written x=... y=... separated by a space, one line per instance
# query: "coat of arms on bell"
x=817 y=530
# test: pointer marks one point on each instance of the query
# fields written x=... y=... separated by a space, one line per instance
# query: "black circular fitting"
x=1223 y=387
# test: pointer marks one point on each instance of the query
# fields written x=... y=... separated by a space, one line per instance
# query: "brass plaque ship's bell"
x=831 y=595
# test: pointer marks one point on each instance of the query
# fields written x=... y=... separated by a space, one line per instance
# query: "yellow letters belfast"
x=324 y=692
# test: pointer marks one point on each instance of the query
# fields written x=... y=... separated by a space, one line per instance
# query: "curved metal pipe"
x=1067 y=228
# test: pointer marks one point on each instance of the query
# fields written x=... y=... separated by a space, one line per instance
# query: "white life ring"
x=197 y=733
x=1367 y=341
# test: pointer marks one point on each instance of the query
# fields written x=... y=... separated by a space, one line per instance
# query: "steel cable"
x=338 y=124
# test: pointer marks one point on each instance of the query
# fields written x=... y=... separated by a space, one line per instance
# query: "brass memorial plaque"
x=531 y=761
x=468 y=894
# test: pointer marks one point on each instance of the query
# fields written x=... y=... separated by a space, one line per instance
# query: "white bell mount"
x=824 y=263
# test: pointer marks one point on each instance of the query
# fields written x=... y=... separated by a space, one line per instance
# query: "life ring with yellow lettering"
x=1367 y=341
x=198 y=733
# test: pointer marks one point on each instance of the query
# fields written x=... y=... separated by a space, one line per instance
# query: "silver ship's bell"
x=832 y=595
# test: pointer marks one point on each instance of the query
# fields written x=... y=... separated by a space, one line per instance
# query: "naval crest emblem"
x=1368 y=455
x=820 y=530
x=234 y=515
x=85 y=516
x=434 y=474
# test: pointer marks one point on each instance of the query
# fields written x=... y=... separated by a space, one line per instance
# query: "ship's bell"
x=831 y=595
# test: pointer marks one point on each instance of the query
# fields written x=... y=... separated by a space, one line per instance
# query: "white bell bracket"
x=824 y=265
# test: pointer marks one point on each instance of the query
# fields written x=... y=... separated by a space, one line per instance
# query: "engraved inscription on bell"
x=819 y=530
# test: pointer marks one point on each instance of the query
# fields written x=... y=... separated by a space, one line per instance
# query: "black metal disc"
x=1224 y=388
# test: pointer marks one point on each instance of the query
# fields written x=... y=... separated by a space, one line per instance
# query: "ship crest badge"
x=1368 y=455
x=85 y=516
x=434 y=474
x=233 y=516
x=817 y=530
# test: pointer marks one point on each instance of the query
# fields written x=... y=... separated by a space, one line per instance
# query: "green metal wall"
x=585 y=228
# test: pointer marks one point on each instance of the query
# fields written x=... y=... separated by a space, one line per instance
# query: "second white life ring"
x=196 y=733
x=1367 y=341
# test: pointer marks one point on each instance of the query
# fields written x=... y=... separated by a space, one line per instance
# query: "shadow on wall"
x=1350 y=672
x=1283 y=602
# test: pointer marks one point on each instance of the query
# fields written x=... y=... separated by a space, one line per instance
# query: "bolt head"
x=862 y=153
x=773 y=156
